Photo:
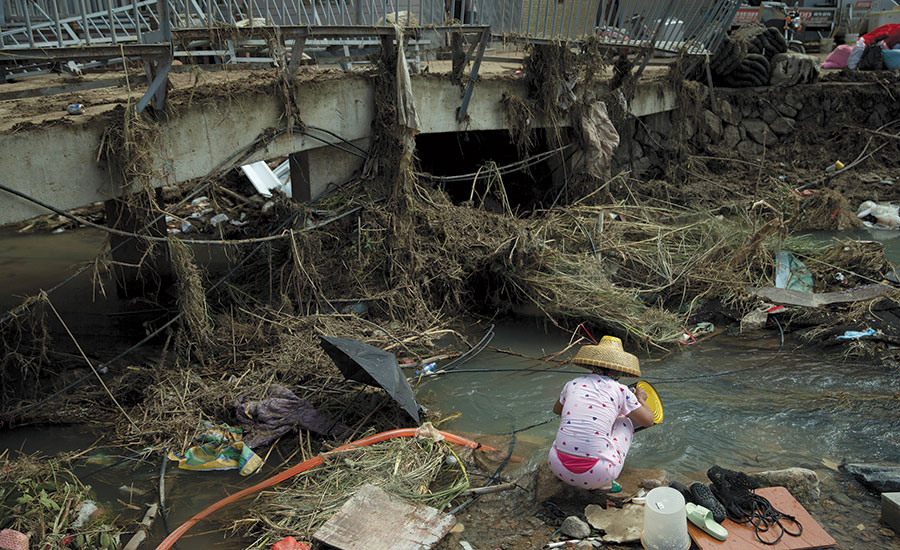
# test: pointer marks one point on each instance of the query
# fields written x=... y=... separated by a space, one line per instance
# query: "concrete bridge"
x=54 y=157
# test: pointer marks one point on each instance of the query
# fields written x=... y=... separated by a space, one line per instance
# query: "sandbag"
x=891 y=59
x=837 y=59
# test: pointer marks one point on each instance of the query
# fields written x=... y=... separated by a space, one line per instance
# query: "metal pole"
x=137 y=22
x=59 y=35
x=209 y=14
x=528 y=19
x=28 y=23
x=597 y=15
x=573 y=24
x=553 y=23
x=84 y=23
x=112 y=21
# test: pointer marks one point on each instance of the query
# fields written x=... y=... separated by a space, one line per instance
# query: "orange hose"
x=302 y=467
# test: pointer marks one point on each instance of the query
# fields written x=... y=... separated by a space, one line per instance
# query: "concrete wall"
x=58 y=163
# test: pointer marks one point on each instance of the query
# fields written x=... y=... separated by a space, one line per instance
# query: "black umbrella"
x=367 y=364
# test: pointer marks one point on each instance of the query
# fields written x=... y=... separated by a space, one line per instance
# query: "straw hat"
x=608 y=354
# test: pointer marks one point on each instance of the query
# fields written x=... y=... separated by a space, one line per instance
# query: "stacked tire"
x=767 y=41
x=744 y=58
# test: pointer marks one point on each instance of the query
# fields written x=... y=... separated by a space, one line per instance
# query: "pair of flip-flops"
x=703 y=518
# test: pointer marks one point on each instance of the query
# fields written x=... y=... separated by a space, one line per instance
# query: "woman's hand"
x=640 y=394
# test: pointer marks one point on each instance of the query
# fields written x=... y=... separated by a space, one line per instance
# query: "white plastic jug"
x=665 y=522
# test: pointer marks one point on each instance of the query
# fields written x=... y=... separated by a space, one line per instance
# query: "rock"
x=575 y=528
x=769 y=115
x=794 y=100
x=758 y=131
x=636 y=150
x=728 y=113
x=642 y=165
x=749 y=149
x=786 y=110
x=661 y=123
x=782 y=126
x=802 y=483
x=689 y=128
x=713 y=125
x=586 y=544
x=650 y=483
x=881 y=479
x=618 y=524
x=732 y=136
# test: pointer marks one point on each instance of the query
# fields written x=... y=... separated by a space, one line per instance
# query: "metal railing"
x=45 y=26
x=696 y=27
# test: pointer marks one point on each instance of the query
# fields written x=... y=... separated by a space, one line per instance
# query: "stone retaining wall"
x=748 y=121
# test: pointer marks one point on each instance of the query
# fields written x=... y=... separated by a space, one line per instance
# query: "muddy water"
x=30 y=262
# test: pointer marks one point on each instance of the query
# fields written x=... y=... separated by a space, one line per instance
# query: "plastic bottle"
x=426 y=370
x=75 y=108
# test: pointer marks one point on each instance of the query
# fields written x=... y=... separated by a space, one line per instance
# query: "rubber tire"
x=757 y=68
x=703 y=496
x=733 y=67
x=776 y=39
x=796 y=48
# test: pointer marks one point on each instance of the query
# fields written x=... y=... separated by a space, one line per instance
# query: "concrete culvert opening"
x=525 y=180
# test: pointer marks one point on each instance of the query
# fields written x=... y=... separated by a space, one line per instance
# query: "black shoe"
x=684 y=490
x=704 y=497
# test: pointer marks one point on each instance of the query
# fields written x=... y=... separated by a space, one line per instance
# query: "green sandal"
x=615 y=488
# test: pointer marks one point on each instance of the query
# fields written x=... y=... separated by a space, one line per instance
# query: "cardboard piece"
x=743 y=537
x=375 y=519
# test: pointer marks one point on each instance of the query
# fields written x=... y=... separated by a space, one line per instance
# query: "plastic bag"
x=872 y=58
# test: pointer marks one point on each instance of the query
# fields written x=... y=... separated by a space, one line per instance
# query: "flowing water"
x=789 y=408
x=793 y=407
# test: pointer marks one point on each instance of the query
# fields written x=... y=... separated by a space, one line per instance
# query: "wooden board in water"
x=742 y=537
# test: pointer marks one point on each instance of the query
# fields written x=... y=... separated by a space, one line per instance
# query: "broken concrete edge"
x=890 y=510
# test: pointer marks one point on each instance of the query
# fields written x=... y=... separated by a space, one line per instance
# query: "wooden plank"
x=743 y=537
x=375 y=519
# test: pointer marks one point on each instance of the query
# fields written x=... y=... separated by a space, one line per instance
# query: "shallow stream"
x=795 y=407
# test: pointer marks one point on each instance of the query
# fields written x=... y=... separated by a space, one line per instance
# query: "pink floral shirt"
x=591 y=405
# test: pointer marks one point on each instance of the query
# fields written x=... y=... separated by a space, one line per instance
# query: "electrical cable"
x=654 y=379
x=201 y=186
x=494 y=477
x=102 y=368
x=336 y=146
x=501 y=170
x=130 y=235
x=483 y=343
x=348 y=142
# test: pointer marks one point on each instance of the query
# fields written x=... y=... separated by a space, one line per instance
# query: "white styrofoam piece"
x=264 y=180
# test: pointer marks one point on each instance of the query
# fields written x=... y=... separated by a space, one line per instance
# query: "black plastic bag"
x=872 y=60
